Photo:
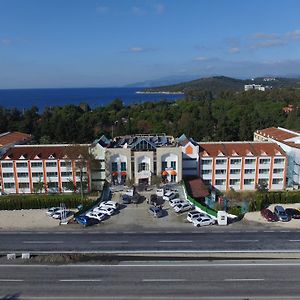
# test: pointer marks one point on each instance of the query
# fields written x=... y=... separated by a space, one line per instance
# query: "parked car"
x=206 y=221
x=176 y=201
x=281 y=214
x=112 y=204
x=269 y=215
x=60 y=213
x=98 y=216
x=192 y=215
x=182 y=207
x=156 y=212
x=105 y=210
x=51 y=211
x=85 y=221
x=169 y=196
x=293 y=213
x=126 y=199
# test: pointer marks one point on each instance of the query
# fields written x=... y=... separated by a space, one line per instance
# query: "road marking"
x=285 y=231
x=269 y=231
x=43 y=242
x=294 y=240
x=11 y=280
x=176 y=241
x=163 y=280
x=80 y=280
x=173 y=232
x=150 y=232
x=109 y=232
x=244 y=279
x=241 y=241
x=108 y=242
x=129 y=232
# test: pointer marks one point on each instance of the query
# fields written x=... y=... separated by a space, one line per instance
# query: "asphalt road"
x=153 y=280
x=150 y=241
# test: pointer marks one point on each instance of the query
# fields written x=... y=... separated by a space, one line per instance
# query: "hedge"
x=15 y=202
x=263 y=200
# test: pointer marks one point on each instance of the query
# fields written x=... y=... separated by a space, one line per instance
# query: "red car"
x=269 y=215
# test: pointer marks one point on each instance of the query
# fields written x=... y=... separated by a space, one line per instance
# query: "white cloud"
x=234 y=50
x=295 y=35
x=102 y=9
x=138 y=11
x=136 y=49
x=5 y=41
x=159 y=8
x=200 y=58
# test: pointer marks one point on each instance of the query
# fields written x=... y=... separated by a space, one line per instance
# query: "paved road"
x=153 y=280
x=150 y=241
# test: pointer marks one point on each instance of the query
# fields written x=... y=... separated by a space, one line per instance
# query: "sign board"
x=159 y=192
x=222 y=217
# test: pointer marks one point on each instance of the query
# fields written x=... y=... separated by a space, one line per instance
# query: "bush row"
x=263 y=200
x=37 y=201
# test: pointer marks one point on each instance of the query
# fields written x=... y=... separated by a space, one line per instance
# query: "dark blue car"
x=86 y=221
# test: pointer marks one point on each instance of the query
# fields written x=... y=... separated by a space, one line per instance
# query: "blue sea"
x=26 y=98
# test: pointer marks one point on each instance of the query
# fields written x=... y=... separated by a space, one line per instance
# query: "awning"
x=114 y=173
x=173 y=172
x=123 y=173
x=164 y=173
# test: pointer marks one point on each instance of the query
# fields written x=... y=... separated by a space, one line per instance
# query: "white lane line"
x=150 y=232
x=43 y=242
x=11 y=280
x=108 y=232
x=108 y=242
x=285 y=231
x=173 y=232
x=294 y=240
x=244 y=279
x=176 y=241
x=241 y=241
x=269 y=231
x=80 y=280
x=163 y=280
x=129 y=232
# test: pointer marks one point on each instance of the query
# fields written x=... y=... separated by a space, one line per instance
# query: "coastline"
x=160 y=92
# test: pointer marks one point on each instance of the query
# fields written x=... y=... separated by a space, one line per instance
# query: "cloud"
x=138 y=11
x=136 y=49
x=234 y=50
x=294 y=35
x=6 y=41
x=200 y=58
x=159 y=8
x=102 y=9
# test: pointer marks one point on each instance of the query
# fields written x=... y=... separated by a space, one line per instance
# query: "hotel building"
x=242 y=165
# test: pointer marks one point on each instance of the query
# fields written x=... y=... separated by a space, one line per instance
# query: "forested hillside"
x=230 y=116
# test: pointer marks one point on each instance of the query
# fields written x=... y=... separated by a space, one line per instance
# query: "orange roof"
x=36 y=152
x=14 y=138
x=239 y=149
x=277 y=133
x=198 y=188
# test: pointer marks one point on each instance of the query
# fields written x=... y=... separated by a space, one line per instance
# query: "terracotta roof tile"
x=198 y=188
x=13 y=138
x=277 y=133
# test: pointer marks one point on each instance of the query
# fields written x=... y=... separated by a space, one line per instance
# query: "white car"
x=170 y=195
x=192 y=215
x=59 y=214
x=206 y=221
x=112 y=204
x=51 y=211
x=104 y=209
x=182 y=207
x=98 y=216
x=176 y=201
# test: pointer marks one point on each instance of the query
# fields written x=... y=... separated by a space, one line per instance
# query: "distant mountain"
x=217 y=84
x=165 y=81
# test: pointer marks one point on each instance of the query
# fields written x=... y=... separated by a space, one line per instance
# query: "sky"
x=101 y=43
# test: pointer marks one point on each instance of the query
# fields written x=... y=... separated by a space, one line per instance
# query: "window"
x=143 y=167
x=278 y=160
x=37 y=174
x=207 y=182
x=114 y=167
x=220 y=181
x=173 y=178
x=23 y=185
x=206 y=172
x=66 y=164
x=278 y=171
x=206 y=161
x=277 y=181
x=51 y=174
x=52 y=185
x=235 y=171
x=123 y=166
x=264 y=161
x=264 y=171
x=263 y=182
x=51 y=164
x=249 y=171
x=9 y=185
x=164 y=165
x=22 y=175
x=36 y=164
x=8 y=175
x=78 y=173
x=250 y=161
x=21 y=164
x=66 y=174
x=223 y=171
x=221 y=161
x=7 y=165
x=189 y=158
x=234 y=182
x=235 y=161
x=248 y=181
x=173 y=165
